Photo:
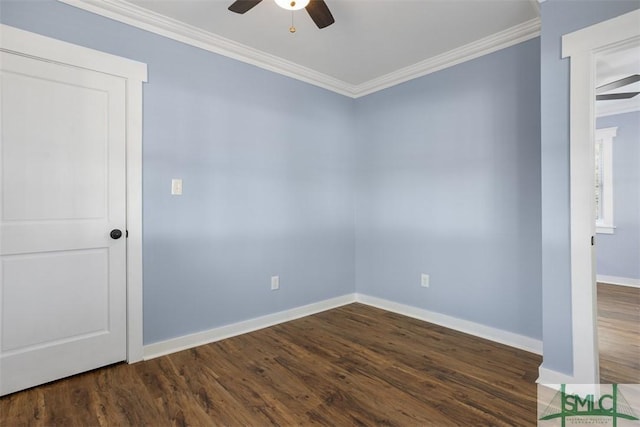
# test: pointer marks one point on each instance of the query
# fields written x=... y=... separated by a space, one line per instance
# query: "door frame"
x=581 y=47
x=24 y=43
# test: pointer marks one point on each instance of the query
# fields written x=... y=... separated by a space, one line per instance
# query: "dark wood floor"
x=354 y=365
x=619 y=334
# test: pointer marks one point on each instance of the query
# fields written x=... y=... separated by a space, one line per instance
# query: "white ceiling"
x=370 y=38
x=372 y=44
x=613 y=65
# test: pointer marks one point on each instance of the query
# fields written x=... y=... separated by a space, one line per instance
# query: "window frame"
x=604 y=137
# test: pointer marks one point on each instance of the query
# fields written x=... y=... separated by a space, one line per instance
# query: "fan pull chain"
x=292 y=28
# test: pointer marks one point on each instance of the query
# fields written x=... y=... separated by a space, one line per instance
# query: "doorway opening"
x=582 y=47
x=617 y=211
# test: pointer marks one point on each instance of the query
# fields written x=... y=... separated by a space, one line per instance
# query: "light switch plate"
x=424 y=280
x=176 y=187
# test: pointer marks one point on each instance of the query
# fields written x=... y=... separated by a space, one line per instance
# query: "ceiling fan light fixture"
x=292 y=4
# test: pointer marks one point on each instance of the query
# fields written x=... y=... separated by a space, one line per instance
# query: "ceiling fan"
x=601 y=96
x=317 y=9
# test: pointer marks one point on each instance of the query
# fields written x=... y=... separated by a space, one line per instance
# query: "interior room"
x=617 y=212
x=365 y=212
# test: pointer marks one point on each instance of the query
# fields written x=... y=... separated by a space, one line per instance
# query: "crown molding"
x=128 y=13
x=145 y=19
x=535 y=4
x=617 y=108
x=509 y=37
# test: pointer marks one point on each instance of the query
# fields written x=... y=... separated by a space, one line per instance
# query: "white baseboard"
x=548 y=376
x=482 y=331
x=216 y=334
x=205 y=337
x=616 y=280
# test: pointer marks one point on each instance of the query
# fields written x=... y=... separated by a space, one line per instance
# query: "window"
x=604 y=179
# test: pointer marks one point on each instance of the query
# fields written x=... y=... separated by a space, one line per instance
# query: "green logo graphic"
x=565 y=406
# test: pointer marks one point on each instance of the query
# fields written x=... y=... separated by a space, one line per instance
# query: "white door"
x=62 y=177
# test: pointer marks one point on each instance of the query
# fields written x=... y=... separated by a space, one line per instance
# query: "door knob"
x=116 y=234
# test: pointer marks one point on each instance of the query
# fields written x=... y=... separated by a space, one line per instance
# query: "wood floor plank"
x=354 y=365
x=619 y=333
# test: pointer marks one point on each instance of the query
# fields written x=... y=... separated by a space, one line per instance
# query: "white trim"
x=37 y=46
x=582 y=177
x=134 y=221
x=503 y=39
x=617 y=280
x=623 y=28
x=605 y=229
x=549 y=376
x=617 y=108
x=581 y=46
x=476 y=329
x=24 y=43
x=604 y=137
x=216 y=334
x=607 y=133
x=145 y=19
x=535 y=4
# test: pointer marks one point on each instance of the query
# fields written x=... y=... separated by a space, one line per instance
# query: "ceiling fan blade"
x=242 y=6
x=618 y=83
x=320 y=13
x=614 y=96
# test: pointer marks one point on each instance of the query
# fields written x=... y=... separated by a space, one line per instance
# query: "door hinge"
x=126 y=234
x=593 y=240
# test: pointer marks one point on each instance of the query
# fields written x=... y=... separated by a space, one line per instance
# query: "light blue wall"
x=267 y=166
x=560 y=17
x=619 y=254
x=448 y=184
x=445 y=176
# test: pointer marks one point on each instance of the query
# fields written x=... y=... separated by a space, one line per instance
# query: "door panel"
x=68 y=186
x=36 y=288
x=62 y=176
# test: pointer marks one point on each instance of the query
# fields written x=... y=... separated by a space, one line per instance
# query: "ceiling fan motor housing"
x=317 y=9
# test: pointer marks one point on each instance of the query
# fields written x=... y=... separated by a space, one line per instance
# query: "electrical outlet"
x=275 y=283
x=424 y=280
